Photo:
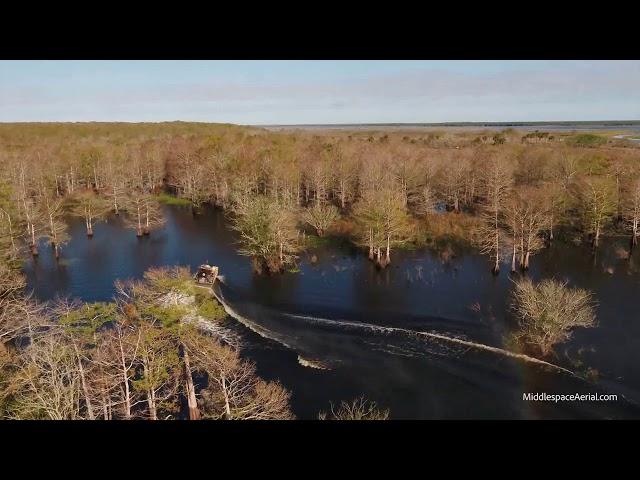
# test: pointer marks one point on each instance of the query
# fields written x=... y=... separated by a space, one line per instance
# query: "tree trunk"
x=370 y=244
x=85 y=389
x=496 y=267
x=115 y=201
x=388 y=259
x=139 y=229
x=127 y=398
x=32 y=232
x=151 y=399
x=105 y=408
x=227 y=407
x=147 y=223
x=34 y=247
x=194 y=413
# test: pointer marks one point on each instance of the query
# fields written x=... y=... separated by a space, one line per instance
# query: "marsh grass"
x=210 y=309
x=167 y=199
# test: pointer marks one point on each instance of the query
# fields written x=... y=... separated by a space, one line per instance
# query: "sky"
x=319 y=92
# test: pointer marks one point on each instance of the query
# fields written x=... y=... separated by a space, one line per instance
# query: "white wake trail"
x=458 y=341
x=377 y=328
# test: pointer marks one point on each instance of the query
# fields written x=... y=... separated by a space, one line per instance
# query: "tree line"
x=276 y=186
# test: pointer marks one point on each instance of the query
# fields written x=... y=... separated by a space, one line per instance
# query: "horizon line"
x=450 y=123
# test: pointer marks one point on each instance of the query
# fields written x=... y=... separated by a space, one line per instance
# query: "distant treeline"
x=568 y=123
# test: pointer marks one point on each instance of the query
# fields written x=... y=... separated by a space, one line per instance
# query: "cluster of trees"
x=144 y=355
x=537 y=136
x=389 y=192
x=39 y=189
x=583 y=196
x=276 y=185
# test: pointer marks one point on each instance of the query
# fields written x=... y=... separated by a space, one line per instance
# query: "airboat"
x=206 y=274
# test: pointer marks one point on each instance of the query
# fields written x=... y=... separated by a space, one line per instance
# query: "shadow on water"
x=339 y=328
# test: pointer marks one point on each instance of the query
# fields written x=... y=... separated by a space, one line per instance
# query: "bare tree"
x=234 y=390
x=57 y=228
x=320 y=216
x=47 y=382
x=90 y=207
x=596 y=203
x=554 y=199
x=497 y=181
x=143 y=213
x=344 y=177
x=548 y=312
x=19 y=314
x=191 y=181
x=452 y=180
x=358 y=409
x=118 y=361
x=159 y=362
x=631 y=209
x=382 y=222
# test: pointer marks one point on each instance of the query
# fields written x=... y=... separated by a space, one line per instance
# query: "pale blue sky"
x=290 y=92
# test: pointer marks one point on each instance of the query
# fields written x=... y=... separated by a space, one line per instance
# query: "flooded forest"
x=364 y=274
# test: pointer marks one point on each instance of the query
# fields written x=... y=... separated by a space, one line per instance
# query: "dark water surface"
x=359 y=325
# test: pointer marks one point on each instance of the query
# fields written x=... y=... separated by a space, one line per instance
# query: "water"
x=564 y=127
x=339 y=328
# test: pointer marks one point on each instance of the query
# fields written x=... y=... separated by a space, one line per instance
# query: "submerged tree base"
x=269 y=265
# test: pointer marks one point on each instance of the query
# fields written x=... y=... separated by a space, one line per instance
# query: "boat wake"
x=333 y=337
x=397 y=355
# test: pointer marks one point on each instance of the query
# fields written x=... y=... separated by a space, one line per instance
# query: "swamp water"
x=338 y=328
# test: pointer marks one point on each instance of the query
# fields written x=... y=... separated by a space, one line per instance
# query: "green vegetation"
x=167 y=199
x=177 y=280
x=211 y=309
x=268 y=233
x=587 y=140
